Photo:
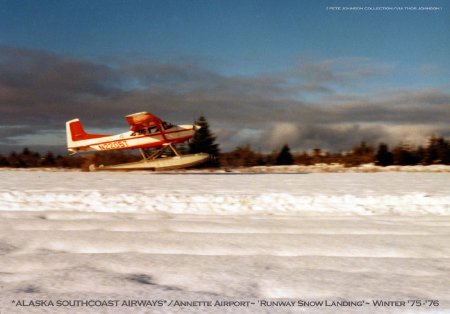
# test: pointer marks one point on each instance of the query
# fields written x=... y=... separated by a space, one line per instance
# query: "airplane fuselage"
x=147 y=138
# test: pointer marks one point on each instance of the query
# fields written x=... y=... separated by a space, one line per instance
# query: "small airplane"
x=147 y=131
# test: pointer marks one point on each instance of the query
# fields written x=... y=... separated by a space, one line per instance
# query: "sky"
x=309 y=74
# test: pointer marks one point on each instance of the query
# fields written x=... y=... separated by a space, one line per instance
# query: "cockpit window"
x=167 y=125
x=152 y=130
x=138 y=132
x=146 y=131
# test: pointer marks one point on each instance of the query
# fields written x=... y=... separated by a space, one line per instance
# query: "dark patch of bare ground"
x=29 y=289
x=6 y=248
x=144 y=279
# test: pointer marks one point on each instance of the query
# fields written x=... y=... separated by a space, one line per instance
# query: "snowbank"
x=224 y=204
x=319 y=168
x=226 y=194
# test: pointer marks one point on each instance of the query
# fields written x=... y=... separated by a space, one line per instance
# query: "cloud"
x=42 y=89
x=8 y=134
x=341 y=71
x=329 y=137
x=282 y=133
x=39 y=91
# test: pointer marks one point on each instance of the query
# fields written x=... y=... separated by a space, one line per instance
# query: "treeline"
x=30 y=159
x=437 y=151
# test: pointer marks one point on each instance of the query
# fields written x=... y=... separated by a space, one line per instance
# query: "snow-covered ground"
x=319 y=168
x=347 y=237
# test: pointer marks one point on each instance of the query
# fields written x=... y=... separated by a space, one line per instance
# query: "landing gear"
x=158 y=153
x=156 y=161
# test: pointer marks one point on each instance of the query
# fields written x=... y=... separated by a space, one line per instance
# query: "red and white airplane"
x=146 y=131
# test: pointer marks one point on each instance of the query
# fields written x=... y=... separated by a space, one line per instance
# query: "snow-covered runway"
x=331 y=236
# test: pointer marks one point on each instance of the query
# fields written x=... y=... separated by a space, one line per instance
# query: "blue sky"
x=245 y=36
x=288 y=57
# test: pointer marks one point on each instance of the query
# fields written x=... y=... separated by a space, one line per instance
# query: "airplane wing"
x=141 y=120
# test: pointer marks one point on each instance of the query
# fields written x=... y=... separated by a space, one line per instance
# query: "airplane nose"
x=197 y=127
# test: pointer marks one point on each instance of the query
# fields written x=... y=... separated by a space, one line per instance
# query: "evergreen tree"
x=316 y=156
x=4 y=161
x=421 y=155
x=444 y=151
x=285 y=157
x=15 y=161
x=204 y=142
x=431 y=151
x=404 y=155
x=48 y=160
x=31 y=159
x=361 y=154
x=383 y=156
x=438 y=151
x=242 y=157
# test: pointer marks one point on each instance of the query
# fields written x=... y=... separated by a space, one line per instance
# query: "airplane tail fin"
x=75 y=133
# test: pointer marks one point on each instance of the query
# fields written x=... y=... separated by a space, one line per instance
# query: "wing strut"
x=159 y=152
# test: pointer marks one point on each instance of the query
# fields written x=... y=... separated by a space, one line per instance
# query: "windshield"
x=167 y=125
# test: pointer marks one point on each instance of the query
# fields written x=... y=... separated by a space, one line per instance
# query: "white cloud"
x=283 y=133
